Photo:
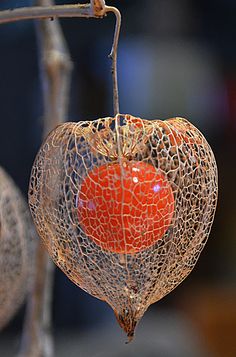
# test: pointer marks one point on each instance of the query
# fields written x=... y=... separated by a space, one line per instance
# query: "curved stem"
x=113 y=56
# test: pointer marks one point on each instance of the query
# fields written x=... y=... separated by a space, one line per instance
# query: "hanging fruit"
x=16 y=248
x=125 y=206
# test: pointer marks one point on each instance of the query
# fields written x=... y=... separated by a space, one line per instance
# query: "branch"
x=34 y=343
x=56 y=66
x=96 y=9
x=51 y=12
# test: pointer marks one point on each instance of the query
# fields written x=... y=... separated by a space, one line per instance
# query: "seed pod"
x=124 y=207
x=16 y=248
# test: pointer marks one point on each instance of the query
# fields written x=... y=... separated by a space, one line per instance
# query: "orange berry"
x=125 y=208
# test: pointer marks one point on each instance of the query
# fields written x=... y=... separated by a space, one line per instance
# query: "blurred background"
x=176 y=58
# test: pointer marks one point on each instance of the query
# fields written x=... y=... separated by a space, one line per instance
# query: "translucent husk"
x=16 y=248
x=129 y=283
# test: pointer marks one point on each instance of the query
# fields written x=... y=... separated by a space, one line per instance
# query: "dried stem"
x=56 y=68
x=35 y=341
x=113 y=56
x=49 y=12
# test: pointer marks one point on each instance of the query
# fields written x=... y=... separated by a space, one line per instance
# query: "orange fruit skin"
x=125 y=208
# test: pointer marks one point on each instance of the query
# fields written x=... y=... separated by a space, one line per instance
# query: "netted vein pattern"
x=125 y=206
x=16 y=248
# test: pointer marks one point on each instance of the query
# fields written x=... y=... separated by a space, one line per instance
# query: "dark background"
x=176 y=58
